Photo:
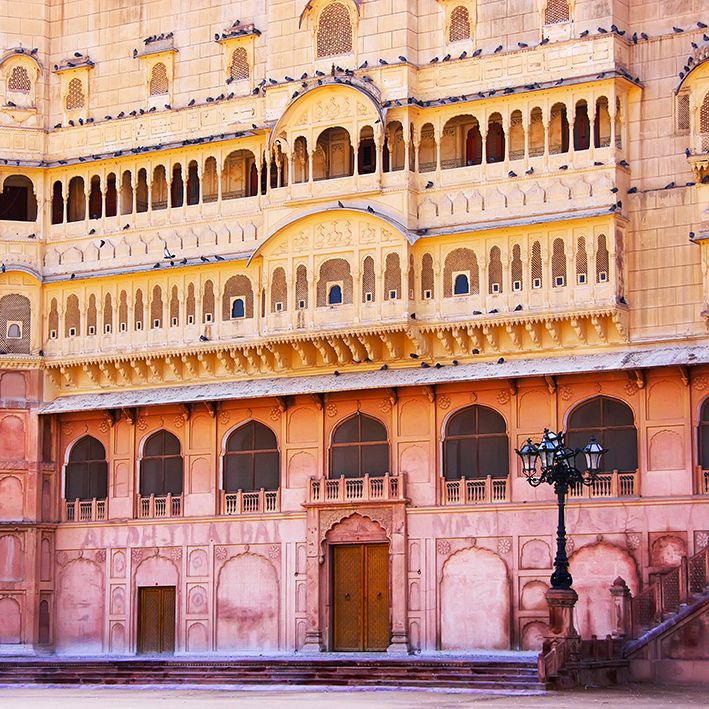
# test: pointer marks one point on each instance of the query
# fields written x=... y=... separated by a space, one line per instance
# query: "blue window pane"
x=461 y=286
x=335 y=296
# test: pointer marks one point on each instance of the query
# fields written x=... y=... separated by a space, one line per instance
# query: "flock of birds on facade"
x=337 y=73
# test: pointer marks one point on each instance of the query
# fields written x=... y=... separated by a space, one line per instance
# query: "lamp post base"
x=561 y=612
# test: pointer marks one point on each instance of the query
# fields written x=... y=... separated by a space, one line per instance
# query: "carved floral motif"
x=701 y=540
x=331 y=410
x=444 y=402
x=504 y=545
x=142 y=423
x=632 y=541
x=220 y=553
x=503 y=396
x=566 y=392
x=275 y=414
x=274 y=551
x=700 y=383
x=443 y=547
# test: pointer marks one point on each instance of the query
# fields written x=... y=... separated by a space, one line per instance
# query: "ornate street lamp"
x=557 y=467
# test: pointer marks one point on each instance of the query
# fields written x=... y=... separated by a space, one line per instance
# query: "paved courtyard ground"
x=647 y=697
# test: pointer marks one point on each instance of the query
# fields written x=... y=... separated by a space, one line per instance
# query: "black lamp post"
x=558 y=468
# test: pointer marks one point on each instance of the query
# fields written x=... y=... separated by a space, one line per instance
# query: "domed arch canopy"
x=312 y=5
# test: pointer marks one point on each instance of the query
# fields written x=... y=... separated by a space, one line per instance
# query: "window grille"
x=156 y=307
x=460 y=24
x=368 y=280
x=556 y=11
x=516 y=267
x=581 y=261
x=191 y=304
x=208 y=302
x=704 y=115
x=459 y=260
x=235 y=287
x=123 y=312
x=239 y=68
x=336 y=270
x=537 y=264
x=174 y=307
x=158 y=80
x=72 y=318
x=75 y=95
x=601 y=259
x=91 y=315
x=392 y=277
x=16 y=308
x=138 y=310
x=427 y=276
x=19 y=80
x=334 y=35
x=107 y=314
x=682 y=113
x=558 y=263
x=301 y=286
x=494 y=270
x=279 y=291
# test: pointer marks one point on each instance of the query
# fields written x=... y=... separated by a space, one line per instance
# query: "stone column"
x=622 y=617
x=313 y=632
x=561 y=603
x=399 y=626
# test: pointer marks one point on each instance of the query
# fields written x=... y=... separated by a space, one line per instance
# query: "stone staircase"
x=508 y=675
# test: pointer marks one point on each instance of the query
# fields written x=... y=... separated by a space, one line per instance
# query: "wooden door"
x=360 y=617
x=156 y=620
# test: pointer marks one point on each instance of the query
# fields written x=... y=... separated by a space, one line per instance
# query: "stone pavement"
x=640 y=696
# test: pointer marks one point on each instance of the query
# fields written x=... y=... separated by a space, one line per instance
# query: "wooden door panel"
x=348 y=597
x=377 y=596
x=156 y=620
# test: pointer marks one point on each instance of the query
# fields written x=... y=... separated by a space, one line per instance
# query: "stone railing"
x=670 y=591
x=348 y=490
x=469 y=492
x=612 y=484
x=84 y=510
x=237 y=503
x=163 y=506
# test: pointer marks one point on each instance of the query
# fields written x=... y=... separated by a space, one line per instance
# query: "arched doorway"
x=358 y=556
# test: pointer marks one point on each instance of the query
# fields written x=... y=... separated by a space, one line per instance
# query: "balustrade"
x=477 y=491
x=670 y=591
x=163 y=506
x=84 y=510
x=365 y=489
x=612 y=484
x=240 y=502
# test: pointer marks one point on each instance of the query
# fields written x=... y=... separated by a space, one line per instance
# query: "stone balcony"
x=85 y=510
x=238 y=503
x=159 y=506
x=338 y=491
x=474 y=491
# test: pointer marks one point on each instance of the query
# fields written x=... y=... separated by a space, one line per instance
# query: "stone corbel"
x=392 y=346
x=212 y=408
x=153 y=368
x=326 y=352
x=459 y=336
x=206 y=363
x=553 y=329
x=344 y=355
x=112 y=415
x=189 y=362
x=550 y=380
x=444 y=337
x=93 y=374
x=280 y=354
x=577 y=325
x=637 y=376
x=491 y=337
x=419 y=340
x=620 y=322
x=174 y=365
x=282 y=403
x=67 y=376
x=513 y=386
x=684 y=374
x=600 y=328
x=137 y=366
x=264 y=361
x=430 y=391
x=359 y=352
x=225 y=361
x=318 y=400
x=186 y=409
x=250 y=355
x=304 y=350
x=370 y=347
x=123 y=371
x=131 y=414
x=513 y=332
x=533 y=332
x=392 y=395
x=474 y=337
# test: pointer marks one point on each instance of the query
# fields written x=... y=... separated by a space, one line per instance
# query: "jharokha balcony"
x=240 y=502
x=479 y=490
x=161 y=506
x=84 y=510
x=388 y=488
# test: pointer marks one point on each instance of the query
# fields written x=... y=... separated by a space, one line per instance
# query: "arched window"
x=334 y=295
x=459 y=24
x=494 y=271
x=86 y=471
x=582 y=127
x=495 y=144
x=14 y=331
x=558 y=264
x=556 y=11
x=611 y=422
x=239 y=68
x=360 y=447
x=75 y=95
x=475 y=445
x=161 y=465
x=238 y=309
x=461 y=285
x=427 y=278
x=334 y=35
x=19 y=80
x=704 y=436
x=368 y=281
x=158 y=80
x=251 y=460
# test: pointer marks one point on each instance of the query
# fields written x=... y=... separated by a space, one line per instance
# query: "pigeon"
x=340 y=205
x=522 y=45
x=72 y=277
x=413 y=355
x=644 y=35
x=677 y=29
x=203 y=338
x=204 y=259
x=635 y=37
x=494 y=311
x=624 y=163
x=455 y=363
x=687 y=152
x=102 y=243
x=475 y=350
x=700 y=25
x=184 y=261
x=336 y=373
x=602 y=30
x=425 y=365
x=157 y=265
x=563 y=167
x=369 y=209
x=614 y=190
x=632 y=190
x=477 y=52
x=670 y=185
x=363 y=65
x=501 y=360
x=166 y=253
x=691 y=236
x=544 y=41
x=518 y=308
x=511 y=173
x=434 y=60
x=463 y=55
x=4 y=268
x=403 y=59
x=498 y=49
x=383 y=62
x=585 y=33
x=597 y=163
x=446 y=58
x=92 y=231
x=217 y=257
x=438 y=365
x=429 y=184
x=413 y=316
x=384 y=367
x=529 y=172
x=127 y=226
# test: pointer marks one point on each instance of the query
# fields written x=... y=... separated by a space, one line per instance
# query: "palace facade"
x=284 y=285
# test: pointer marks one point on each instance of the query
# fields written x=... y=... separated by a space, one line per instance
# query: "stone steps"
x=514 y=677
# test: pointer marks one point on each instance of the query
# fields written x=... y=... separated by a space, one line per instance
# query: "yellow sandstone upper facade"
x=250 y=190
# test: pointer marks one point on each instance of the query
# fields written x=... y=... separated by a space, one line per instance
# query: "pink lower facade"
x=469 y=560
